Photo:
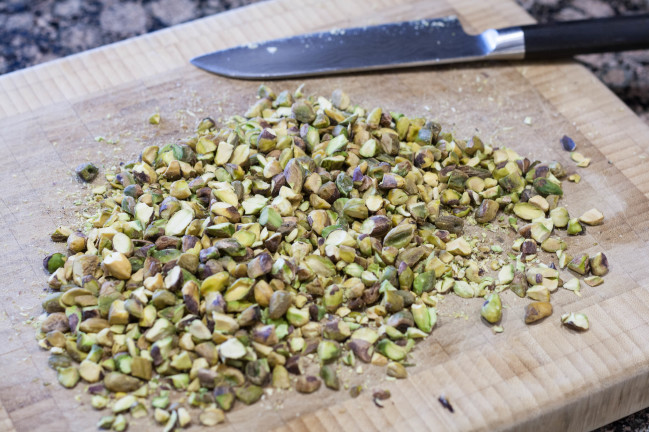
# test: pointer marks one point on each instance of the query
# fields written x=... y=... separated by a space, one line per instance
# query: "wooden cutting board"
x=540 y=377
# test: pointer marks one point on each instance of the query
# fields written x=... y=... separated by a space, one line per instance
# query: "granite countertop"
x=33 y=32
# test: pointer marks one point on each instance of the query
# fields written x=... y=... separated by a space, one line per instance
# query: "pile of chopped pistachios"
x=307 y=230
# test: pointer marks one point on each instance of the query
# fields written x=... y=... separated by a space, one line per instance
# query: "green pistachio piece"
x=575 y=321
x=369 y=148
x=463 y=289
x=87 y=172
x=320 y=265
x=270 y=218
x=545 y=187
x=307 y=384
x=328 y=351
x=527 y=211
x=487 y=211
x=391 y=350
x=399 y=236
x=330 y=376
x=492 y=308
x=336 y=144
x=598 y=264
x=580 y=264
x=249 y=394
x=536 y=311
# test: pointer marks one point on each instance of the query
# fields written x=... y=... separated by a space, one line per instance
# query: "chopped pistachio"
x=87 y=172
x=425 y=318
x=592 y=217
x=53 y=262
x=154 y=119
x=391 y=350
x=328 y=350
x=232 y=349
x=539 y=293
x=593 y=280
x=307 y=384
x=553 y=244
x=399 y=236
x=380 y=395
x=280 y=378
x=117 y=265
x=106 y=422
x=575 y=178
x=61 y=234
x=576 y=321
x=574 y=227
x=487 y=211
x=330 y=377
x=492 y=308
x=546 y=187
x=580 y=264
x=598 y=264
x=536 y=311
x=89 y=371
x=459 y=246
x=124 y=403
x=463 y=289
x=211 y=416
x=506 y=274
x=68 y=377
x=560 y=217
x=397 y=370
x=539 y=202
x=573 y=285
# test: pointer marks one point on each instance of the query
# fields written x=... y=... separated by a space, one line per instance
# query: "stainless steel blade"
x=397 y=45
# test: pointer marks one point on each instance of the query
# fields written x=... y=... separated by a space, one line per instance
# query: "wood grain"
x=540 y=377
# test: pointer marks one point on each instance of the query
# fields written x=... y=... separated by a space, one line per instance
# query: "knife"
x=422 y=43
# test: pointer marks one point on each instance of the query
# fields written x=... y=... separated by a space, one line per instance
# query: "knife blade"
x=421 y=43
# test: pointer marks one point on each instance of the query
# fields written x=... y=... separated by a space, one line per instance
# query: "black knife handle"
x=565 y=39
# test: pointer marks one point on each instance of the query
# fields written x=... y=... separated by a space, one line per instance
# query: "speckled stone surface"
x=35 y=31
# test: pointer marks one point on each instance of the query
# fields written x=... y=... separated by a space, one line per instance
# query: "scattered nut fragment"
x=61 y=234
x=574 y=227
x=378 y=396
x=568 y=144
x=592 y=217
x=307 y=384
x=211 y=417
x=487 y=211
x=581 y=160
x=528 y=211
x=593 y=281
x=154 y=119
x=117 y=265
x=397 y=370
x=536 y=311
x=492 y=308
x=446 y=403
x=575 y=178
x=106 y=422
x=77 y=242
x=540 y=202
x=580 y=265
x=68 y=377
x=87 y=172
x=599 y=264
x=575 y=321
x=459 y=246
